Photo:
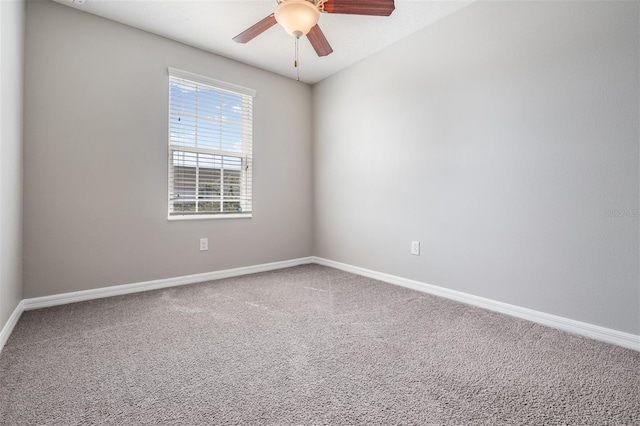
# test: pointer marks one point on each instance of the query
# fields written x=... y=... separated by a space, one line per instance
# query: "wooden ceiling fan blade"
x=319 y=41
x=360 y=7
x=255 y=30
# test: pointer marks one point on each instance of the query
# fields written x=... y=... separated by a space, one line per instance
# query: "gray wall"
x=12 y=26
x=96 y=159
x=500 y=137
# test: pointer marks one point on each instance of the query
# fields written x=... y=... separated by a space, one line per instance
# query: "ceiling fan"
x=300 y=17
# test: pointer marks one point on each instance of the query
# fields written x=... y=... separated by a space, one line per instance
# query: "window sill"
x=210 y=216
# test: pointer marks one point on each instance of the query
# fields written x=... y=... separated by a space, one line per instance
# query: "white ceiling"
x=211 y=24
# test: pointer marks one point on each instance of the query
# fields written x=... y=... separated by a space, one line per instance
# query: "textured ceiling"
x=210 y=25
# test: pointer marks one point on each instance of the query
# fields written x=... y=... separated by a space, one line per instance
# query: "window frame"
x=246 y=157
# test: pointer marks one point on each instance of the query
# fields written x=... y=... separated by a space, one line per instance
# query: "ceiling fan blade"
x=360 y=7
x=255 y=30
x=319 y=41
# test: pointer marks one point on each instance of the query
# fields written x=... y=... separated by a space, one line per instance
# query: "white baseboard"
x=98 y=293
x=596 y=332
x=615 y=337
x=8 y=327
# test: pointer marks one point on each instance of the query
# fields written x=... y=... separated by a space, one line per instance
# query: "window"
x=210 y=147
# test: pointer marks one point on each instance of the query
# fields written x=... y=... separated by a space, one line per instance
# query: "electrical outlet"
x=204 y=244
x=415 y=248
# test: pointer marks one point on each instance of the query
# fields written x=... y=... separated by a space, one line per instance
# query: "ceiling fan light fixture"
x=297 y=17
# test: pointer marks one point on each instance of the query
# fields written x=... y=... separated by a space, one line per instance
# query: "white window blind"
x=210 y=147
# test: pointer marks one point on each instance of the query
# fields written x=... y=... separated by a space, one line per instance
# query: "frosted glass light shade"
x=297 y=17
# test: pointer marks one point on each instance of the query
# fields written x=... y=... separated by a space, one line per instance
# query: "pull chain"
x=295 y=61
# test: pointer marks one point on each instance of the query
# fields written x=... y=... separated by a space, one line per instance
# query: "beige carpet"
x=305 y=346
